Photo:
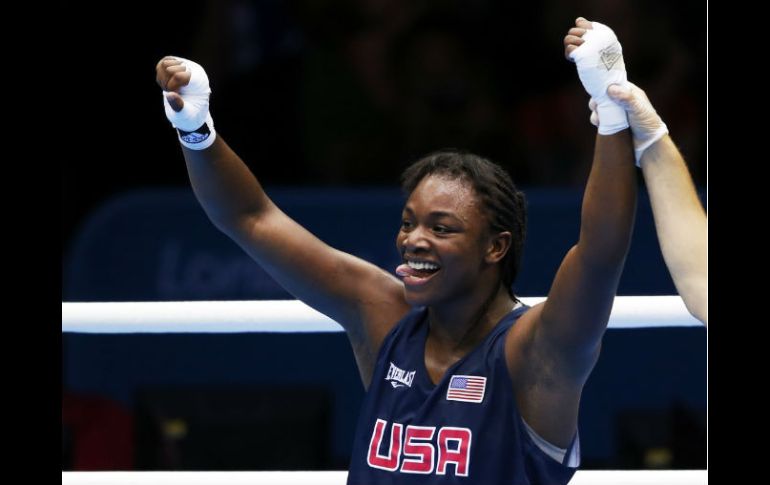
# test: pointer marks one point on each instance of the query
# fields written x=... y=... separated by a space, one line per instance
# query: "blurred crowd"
x=349 y=92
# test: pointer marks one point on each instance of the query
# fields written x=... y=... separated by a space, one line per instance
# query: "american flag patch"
x=466 y=388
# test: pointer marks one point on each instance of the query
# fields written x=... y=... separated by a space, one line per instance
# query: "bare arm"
x=680 y=222
x=576 y=312
x=557 y=343
x=366 y=300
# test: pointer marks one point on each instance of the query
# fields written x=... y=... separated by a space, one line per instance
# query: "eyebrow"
x=435 y=214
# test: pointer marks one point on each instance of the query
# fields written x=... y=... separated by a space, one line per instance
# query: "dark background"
x=328 y=101
x=340 y=93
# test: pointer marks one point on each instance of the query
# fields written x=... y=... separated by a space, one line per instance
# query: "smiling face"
x=444 y=241
x=483 y=197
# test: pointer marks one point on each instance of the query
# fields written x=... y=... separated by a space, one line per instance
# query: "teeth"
x=422 y=265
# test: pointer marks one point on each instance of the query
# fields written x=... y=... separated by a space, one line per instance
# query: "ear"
x=498 y=247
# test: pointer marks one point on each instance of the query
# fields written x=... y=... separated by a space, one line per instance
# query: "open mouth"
x=417 y=272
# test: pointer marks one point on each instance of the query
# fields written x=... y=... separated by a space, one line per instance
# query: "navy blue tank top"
x=466 y=429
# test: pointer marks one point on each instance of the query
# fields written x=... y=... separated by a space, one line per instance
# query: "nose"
x=414 y=240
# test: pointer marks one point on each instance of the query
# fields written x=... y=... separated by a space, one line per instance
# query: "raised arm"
x=366 y=300
x=575 y=314
x=680 y=220
x=557 y=343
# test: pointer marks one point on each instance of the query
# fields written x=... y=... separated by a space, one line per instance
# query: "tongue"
x=405 y=270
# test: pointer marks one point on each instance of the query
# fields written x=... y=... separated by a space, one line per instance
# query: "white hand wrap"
x=193 y=123
x=600 y=63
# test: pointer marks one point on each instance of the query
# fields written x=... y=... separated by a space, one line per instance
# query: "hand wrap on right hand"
x=193 y=122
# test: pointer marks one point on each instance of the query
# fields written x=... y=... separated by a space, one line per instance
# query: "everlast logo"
x=399 y=377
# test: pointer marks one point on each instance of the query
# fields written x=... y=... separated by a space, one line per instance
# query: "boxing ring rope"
x=291 y=316
x=582 y=477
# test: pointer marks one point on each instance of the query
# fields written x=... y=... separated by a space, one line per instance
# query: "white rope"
x=582 y=477
x=294 y=316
